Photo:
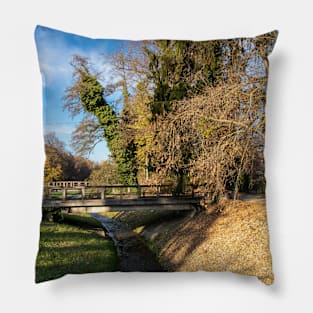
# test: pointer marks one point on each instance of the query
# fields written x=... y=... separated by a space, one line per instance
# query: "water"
x=133 y=253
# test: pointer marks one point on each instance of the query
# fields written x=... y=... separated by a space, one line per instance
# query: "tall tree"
x=87 y=94
x=221 y=129
x=178 y=68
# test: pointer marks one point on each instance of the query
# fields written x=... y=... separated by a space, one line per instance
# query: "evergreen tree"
x=181 y=68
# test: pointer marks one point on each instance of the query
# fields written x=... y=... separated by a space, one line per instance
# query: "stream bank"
x=134 y=255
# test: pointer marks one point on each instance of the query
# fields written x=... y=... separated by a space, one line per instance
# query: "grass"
x=139 y=219
x=66 y=249
x=84 y=220
x=69 y=192
x=59 y=194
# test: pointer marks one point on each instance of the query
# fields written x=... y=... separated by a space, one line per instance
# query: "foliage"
x=214 y=136
x=178 y=68
x=61 y=165
x=53 y=167
x=191 y=111
x=222 y=130
x=87 y=93
x=106 y=173
x=143 y=130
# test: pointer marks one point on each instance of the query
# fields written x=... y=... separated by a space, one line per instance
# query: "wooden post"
x=83 y=192
x=64 y=194
x=121 y=193
x=138 y=191
x=102 y=194
x=47 y=192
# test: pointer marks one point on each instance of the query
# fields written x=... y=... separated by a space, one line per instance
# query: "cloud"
x=55 y=51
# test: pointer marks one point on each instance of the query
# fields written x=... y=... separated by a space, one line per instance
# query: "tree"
x=142 y=128
x=62 y=165
x=87 y=93
x=216 y=137
x=104 y=174
x=222 y=144
x=56 y=163
x=87 y=135
x=178 y=68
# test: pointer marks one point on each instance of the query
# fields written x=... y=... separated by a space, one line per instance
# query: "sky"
x=55 y=50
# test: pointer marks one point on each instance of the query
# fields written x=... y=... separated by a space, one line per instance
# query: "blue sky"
x=55 y=50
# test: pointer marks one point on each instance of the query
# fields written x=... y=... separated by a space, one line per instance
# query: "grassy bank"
x=142 y=219
x=66 y=249
x=83 y=220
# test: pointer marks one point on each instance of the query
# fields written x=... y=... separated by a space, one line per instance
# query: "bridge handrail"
x=140 y=190
x=109 y=186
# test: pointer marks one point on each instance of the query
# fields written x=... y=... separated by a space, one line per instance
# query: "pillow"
x=154 y=155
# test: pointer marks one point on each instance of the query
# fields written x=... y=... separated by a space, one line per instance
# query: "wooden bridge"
x=85 y=198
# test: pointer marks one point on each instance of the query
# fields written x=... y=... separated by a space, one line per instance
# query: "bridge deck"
x=96 y=205
x=117 y=198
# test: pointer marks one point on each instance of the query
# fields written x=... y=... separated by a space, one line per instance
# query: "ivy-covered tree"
x=87 y=94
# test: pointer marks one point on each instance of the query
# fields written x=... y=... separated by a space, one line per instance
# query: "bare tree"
x=215 y=137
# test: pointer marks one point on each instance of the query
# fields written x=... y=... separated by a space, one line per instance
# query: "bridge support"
x=105 y=205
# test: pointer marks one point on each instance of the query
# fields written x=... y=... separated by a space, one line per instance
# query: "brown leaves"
x=214 y=137
x=234 y=239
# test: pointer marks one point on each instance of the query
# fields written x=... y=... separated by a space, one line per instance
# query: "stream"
x=133 y=253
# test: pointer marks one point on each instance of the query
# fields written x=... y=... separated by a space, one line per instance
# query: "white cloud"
x=55 y=56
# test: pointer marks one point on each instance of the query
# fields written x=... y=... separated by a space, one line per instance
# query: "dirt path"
x=133 y=253
x=254 y=198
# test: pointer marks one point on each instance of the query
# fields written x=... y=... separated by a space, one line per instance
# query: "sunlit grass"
x=65 y=249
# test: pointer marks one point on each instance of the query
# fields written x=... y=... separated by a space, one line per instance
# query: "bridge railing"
x=114 y=192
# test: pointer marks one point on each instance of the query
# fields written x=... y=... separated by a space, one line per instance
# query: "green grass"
x=69 y=192
x=65 y=249
x=59 y=194
x=84 y=220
